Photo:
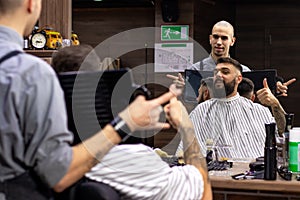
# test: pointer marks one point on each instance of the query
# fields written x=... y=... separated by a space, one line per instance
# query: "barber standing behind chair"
x=221 y=39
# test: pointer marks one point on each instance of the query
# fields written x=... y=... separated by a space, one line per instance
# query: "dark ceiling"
x=150 y=3
x=112 y=3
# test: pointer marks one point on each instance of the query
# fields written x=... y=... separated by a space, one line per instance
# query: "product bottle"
x=294 y=150
x=289 y=120
x=281 y=151
x=270 y=153
x=209 y=150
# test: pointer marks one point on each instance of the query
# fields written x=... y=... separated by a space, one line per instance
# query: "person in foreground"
x=137 y=172
x=234 y=124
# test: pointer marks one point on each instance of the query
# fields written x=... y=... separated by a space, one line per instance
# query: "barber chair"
x=88 y=189
x=92 y=190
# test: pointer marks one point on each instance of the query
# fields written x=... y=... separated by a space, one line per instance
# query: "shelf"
x=41 y=53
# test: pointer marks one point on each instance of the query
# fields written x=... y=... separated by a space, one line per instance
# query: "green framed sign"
x=174 y=32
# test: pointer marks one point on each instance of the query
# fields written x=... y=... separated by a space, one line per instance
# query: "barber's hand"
x=178 y=80
x=282 y=88
x=265 y=96
x=176 y=113
x=144 y=115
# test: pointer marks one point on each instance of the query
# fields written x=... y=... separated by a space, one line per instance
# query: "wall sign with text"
x=173 y=57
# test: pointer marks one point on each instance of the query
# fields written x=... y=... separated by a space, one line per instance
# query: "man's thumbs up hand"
x=265 y=95
x=265 y=83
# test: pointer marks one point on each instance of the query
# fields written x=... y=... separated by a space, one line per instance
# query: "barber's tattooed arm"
x=178 y=117
x=279 y=115
x=192 y=153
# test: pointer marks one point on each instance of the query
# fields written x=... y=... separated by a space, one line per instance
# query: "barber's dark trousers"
x=24 y=187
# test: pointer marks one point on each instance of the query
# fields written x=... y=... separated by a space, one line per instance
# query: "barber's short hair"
x=245 y=87
x=232 y=61
x=9 y=5
x=226 y=24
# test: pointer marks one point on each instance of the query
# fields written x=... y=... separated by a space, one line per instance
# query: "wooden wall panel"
x=268 y=37
x=94 y=25
x=251 y=46
x=284 y=56
x=57 y=14
x=254 y=23
x=263 y=13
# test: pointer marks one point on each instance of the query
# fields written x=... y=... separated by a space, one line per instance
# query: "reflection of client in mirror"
x=230 y=119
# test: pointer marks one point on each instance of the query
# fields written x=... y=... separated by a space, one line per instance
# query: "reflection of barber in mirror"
x=221 y=39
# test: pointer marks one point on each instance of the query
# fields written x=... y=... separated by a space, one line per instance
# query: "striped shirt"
x=236 y=126
x=137 y=172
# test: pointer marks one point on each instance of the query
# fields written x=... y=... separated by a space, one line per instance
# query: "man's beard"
x=224 y=91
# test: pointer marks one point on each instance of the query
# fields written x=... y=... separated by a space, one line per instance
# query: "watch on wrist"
x=121 y=128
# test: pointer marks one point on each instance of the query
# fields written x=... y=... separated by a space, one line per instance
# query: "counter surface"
x=223 y=180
